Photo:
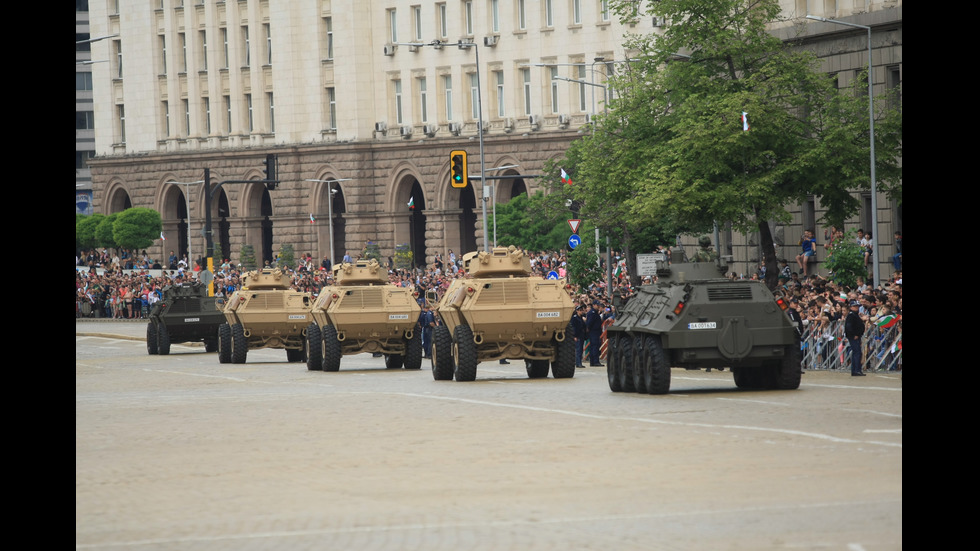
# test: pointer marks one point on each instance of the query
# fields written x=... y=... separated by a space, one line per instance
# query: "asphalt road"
x=181 y=452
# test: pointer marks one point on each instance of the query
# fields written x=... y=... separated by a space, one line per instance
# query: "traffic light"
x=458 y=176
x=270 y=171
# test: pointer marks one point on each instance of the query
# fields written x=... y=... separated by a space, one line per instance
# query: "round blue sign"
x=574 y=241
x=552 y=275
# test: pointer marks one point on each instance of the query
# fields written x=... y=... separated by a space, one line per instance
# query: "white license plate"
x=549 y=314
x=191 y=320
x=297 y=316
x=398 y=316
x=702 y=325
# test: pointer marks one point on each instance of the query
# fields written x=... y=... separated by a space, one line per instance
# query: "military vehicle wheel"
x=314 y=348
x=788 y=376
x=612 y=363
x=331 y=349
x=163 y=339
x=624 y=367
x=536 y=369
x=393 y=361
x=747 y=377
x=442 y=356
x=224 y=343
x=639 y=361
x=413 y=352
x=151 y=338
x=465 y=353
x=210 y=344
x=656 y=372
x=294 y=355
x=239 y=344
x=564 y=365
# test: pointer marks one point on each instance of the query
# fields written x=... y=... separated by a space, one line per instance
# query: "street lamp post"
x=871 y=125
x=187 y=199
x=330 y=195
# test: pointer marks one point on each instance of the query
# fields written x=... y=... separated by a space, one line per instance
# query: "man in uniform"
x=853 y=331
x=593 y=322
x=578 y=333
x=427 y=320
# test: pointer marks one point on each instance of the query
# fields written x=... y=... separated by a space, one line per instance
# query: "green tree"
x=845 y=261
x=531 y=223
x=681 y=152
x=287 y=258
x=103 y=233
x=403 y=257
x=137 y=228
x=371 y=250
x=85 y=231
x=582 y=268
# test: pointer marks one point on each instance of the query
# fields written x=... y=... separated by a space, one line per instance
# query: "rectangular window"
x=397 y=84
x=576 y=12
x=554 y=90
x=332 y=108
x=549 y=20
x=610 y=72
x=393 y=25
x=224 y=42
x=495 y=15
x=117 y=47
x=526 y=77
x=474 y=96
x=604 y=10
x=187 y=117
x=521 y=15
x=83 y=81
x=423 y=100
x=443 y=22
x=447 y=85
x=468 y=17
x=272 y=112
x=84 y=120
x=183 y=52
x=227 y=102
x=204 y=50
x=581 y=88
x=163 y=55
x=417 y=16
x=268 y=44
x=328 y=23
x=121 y=120
x=207 y=115
x=166 y=119
x=499 y=78
x=245 y=47
x=248 y=107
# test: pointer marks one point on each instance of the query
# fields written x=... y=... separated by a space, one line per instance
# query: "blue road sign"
x=552 y=275
x=574 y=241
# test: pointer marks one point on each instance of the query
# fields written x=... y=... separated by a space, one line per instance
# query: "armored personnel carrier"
x=693 y=318
x=501 y=311
x=362 y=312
x=185 y=313
x=264 y=313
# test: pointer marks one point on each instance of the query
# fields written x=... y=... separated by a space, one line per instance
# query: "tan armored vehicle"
x=362 y=312
x=264 y=313
x=501 y=311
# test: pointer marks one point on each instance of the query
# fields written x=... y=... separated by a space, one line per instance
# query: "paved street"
x=181 y=452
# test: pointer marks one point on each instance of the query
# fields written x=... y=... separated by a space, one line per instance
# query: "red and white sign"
x=574 y=224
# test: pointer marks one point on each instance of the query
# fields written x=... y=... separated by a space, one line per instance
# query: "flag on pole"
x=887 y=321
x=162 y=238
x=745 y=121
x=411 y=203
x=619 y=270
x=312 y=219
x=565 y=178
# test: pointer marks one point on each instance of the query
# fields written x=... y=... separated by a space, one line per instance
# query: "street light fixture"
x=187 y=199
x=871 y=125
x=330 y=208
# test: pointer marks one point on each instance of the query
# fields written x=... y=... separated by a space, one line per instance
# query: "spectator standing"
x=593 y=322
x=578 y=333
x=897 y=258
x=428 y=321
x=853 y=332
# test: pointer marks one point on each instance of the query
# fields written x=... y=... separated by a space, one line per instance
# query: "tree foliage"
x=85 y=230
x=137 y=228
x=103 y=233
x=534 y=223
x=846 y=260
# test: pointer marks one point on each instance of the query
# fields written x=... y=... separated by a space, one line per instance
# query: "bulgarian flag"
x=411 y=202
x=619 y=269
x=887 y=321
x=745 y=121
x=565 y=178
x=312 y=219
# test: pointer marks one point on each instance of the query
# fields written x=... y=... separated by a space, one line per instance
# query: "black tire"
x=612 y=362
x=413 y=351
x=656 y=371
x=393 y=361
x=314 y=348
x=211 y=344
x=791 y=370
x=224 y=343
x=163 y=339
x=747 y=377
x=465 y=353
x=442 y=354
x=639 y=360
x=564 y=365
x=239 y=344
x=294 y=355
x=624 y=367
x=536 y=369
x=331 y=348
x=151 y=338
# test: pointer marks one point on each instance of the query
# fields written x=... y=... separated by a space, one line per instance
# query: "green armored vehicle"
x=501 y=311
x=693 y=318
x=362 y=312
x=264 y=313
x=185 y=313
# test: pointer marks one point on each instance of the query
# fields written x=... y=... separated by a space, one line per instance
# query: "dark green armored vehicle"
x=693 y=318
x=185 y=314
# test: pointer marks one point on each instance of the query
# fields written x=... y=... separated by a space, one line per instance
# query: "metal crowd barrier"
x=826 y=348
